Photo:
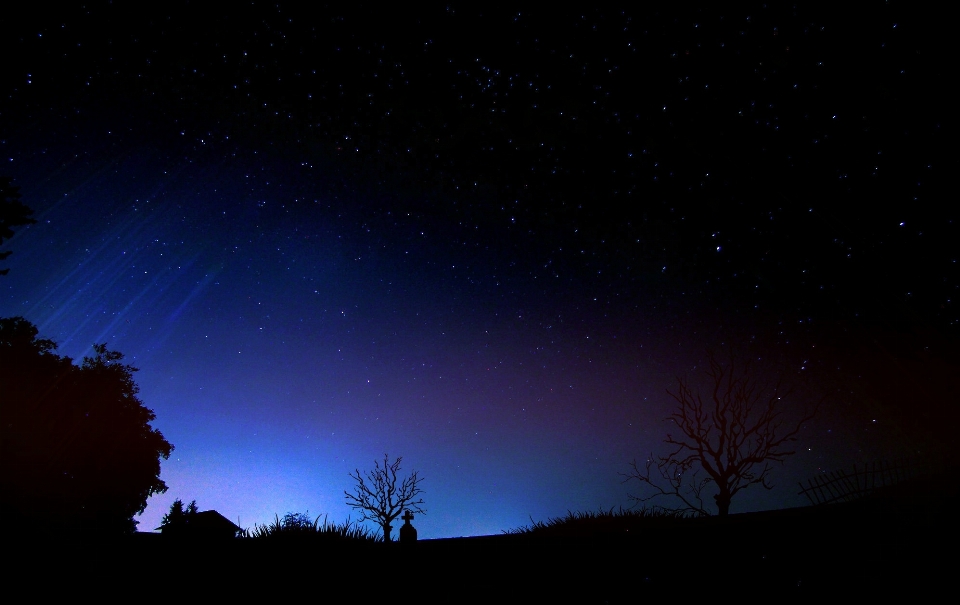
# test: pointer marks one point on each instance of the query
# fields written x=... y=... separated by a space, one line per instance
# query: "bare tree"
x=380 y=498
x=733 y=438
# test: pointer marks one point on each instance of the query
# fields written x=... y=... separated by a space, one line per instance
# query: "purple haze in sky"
x=487 y=243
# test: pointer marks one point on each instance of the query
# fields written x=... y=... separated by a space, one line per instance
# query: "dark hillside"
x=899 y=540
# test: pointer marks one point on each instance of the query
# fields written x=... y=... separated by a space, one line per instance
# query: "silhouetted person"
x=408 y=533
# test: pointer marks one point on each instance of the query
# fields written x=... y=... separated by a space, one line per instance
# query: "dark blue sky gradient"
x=487 y=243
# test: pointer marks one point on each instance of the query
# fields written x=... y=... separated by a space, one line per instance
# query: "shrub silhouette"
x=297 y=526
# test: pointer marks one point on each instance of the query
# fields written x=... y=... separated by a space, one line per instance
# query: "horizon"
x=484 y=241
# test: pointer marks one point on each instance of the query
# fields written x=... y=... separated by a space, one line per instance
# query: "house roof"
x=211 y=519
x=208 y=521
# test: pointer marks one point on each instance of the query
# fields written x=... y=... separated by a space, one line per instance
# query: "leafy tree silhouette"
x=77 y=452
x=733 y=437
x=381 y=499
x=178 y=518
x=12 y=214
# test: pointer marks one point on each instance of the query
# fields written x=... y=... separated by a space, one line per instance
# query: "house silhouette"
x=204 y=524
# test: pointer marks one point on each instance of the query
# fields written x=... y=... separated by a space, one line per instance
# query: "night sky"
x=487 y=241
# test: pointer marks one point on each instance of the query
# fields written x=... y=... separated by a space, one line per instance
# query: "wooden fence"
x=844 y=486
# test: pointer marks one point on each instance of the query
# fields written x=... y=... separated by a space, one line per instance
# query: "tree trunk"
x=723 y=503
x=386 y=532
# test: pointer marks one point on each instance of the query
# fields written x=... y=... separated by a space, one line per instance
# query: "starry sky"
x=487 y=241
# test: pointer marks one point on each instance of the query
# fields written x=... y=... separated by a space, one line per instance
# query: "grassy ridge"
x=590 y=523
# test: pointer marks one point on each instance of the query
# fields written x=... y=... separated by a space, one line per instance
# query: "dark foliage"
x=12 y=214
x=178 y=519
x=77 y=452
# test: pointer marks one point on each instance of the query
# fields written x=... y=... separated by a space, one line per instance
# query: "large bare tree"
x=731 y=436
x=381 y=496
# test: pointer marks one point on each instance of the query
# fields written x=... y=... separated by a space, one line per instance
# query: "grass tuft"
x=299 y=526
x=590 y=523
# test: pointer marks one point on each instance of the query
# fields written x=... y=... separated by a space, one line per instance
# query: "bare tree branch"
x=733 y=437
x=379 y=498
x=673 y=475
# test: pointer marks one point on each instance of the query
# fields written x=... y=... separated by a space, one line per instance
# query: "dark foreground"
x=903 y=544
